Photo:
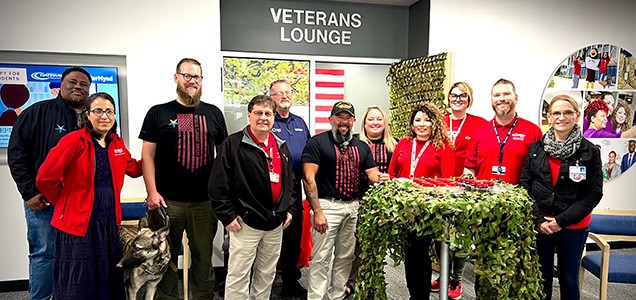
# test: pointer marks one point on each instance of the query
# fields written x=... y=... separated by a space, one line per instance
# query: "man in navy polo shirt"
x=332 y=164
x=293 y=130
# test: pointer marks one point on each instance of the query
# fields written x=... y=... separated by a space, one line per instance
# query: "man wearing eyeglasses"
x=293 y=130
x=251 y=191
x=179 y=140
x=38 y=129
x=498 y=148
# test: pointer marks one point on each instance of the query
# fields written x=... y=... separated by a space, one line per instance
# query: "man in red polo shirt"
x=251 y=188
x=499 y=147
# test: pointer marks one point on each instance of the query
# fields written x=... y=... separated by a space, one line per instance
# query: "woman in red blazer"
x=82 y=177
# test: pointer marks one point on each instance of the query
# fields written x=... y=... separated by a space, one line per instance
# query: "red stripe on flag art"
x=329 y=87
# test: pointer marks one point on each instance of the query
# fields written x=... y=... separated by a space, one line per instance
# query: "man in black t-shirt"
x=332 y=163
x=178 y=150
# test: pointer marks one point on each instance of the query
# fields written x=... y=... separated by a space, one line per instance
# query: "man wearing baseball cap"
x=332 y=164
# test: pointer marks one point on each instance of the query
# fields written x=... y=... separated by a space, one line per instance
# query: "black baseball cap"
x=341 y=106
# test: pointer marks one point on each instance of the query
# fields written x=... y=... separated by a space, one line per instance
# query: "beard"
x=503 y=111
x=342 y=139
x=193 y=100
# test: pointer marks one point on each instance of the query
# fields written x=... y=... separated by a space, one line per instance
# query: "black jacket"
x=38 y=129
x=568 y=201
x=239 y=184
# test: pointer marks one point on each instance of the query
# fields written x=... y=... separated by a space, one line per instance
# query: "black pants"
x=417 y=267
x=290 y=250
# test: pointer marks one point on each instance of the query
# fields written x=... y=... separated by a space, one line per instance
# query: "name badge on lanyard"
x=577 y=173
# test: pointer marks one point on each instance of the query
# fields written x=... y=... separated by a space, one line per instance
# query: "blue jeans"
x=575 y=81
x=41 y=238
x=568 y=245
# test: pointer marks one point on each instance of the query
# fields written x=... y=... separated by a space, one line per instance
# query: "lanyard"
x=453 y=134
x=501 y=145
x=414 y=159
x=270 y=158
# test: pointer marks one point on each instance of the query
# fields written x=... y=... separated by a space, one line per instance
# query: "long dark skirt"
x=85 y=267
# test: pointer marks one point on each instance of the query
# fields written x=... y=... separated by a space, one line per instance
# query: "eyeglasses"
x=259 y=114
x=281 y=93
x=455 y=97
x=567 y=114
x=189 y=77
x=99 y=112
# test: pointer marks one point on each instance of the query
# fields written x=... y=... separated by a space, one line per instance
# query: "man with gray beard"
x=332 y=164
x=178 y=150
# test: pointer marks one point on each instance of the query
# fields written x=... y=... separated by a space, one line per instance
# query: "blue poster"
x=23 y=85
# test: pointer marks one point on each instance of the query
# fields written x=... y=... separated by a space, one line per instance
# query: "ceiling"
x=383 y=2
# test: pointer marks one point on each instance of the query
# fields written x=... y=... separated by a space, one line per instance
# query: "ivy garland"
x=499 y=226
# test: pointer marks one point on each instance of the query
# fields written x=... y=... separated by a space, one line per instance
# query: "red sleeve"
x=133 y=166
x=49 y=178
x=394 y=165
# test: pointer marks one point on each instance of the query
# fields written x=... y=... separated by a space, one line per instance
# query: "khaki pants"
x=338 y=242
x=256 y=251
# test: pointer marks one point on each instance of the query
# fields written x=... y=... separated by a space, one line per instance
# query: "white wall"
x=154 y=36
x=525 y=41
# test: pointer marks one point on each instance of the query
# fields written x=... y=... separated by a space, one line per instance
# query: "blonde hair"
x=464 y=87
x=388 y=138
x=563 y=97
x=438 y=131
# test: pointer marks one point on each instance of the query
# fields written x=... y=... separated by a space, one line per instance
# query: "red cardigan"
x=66 y=179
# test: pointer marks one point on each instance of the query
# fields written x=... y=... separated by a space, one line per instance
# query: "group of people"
x=69 y=164
x=594 y=65
x=604 y=120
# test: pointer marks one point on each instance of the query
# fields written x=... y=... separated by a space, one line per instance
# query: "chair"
x=610 y=226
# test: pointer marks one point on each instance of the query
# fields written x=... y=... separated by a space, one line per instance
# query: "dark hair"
x=76 y=69
x=438 y=128
x=278 y=81
x=505 y=81
x=188 y=60
x=610 y=153
x=87 y=122
x=261 y=100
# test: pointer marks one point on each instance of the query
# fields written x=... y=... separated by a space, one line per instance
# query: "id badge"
x=577 y=173
x=499 y=170
x=274 y=177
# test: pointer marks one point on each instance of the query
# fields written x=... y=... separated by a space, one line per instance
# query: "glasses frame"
x=100 y=112
x=566 y=114
x=189 y=77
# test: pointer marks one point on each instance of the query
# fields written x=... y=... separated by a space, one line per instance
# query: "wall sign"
x=314 y=27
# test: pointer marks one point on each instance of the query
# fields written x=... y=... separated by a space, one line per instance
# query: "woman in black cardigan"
x=562 y=174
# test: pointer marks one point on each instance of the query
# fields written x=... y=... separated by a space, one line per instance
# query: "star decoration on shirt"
x=174 y=123
x=59 y=128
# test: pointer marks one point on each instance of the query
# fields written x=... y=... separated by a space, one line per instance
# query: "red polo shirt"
x=462 y=141
x=274 y=164
x=483 y=152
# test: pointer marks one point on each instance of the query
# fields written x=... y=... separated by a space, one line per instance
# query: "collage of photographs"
x=602 y=77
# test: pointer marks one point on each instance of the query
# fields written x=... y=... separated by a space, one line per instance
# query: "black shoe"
x=293 y=289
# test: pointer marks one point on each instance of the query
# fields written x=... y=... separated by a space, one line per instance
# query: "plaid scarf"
x=562 y=149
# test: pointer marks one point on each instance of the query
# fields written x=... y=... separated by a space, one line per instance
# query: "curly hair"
x=438 y=129
x=628 y=116
x=594 y=107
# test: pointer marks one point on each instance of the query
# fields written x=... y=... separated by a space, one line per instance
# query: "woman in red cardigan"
x=82 y=177
x=427 y=153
